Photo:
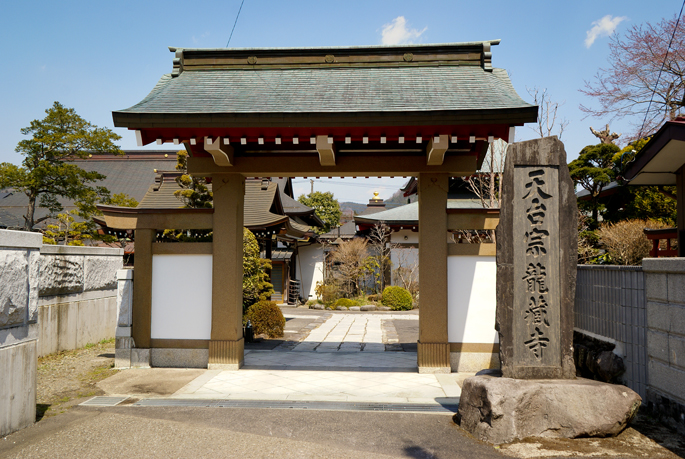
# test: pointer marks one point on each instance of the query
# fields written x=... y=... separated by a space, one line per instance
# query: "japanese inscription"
x=536 y=252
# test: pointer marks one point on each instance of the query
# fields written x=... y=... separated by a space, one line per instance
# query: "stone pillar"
x=19 y=265
x=433 y=345
x=226 y=347
x=536 y=262
x=141 y=314
x=124 y=341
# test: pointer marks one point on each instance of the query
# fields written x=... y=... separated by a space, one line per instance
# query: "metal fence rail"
x=610 y=304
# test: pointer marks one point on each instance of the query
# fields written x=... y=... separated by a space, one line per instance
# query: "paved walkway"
x=353 y=333
x=339 y=357
x=344 y=359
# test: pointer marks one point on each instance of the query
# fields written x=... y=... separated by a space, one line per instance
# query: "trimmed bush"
x=266 y=318
x=346 y=302
x=397 y=298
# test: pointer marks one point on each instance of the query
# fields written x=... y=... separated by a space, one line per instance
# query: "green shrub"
x=327 y=292
x=397 y=298
x=346 y=302
x=373 y=298
x=266 y=318
x=256 y=285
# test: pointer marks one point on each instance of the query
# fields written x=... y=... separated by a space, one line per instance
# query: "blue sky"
x=97 y=56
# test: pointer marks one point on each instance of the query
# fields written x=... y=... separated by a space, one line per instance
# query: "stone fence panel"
x=77 y=302
x=665 y=282
x=610 y=306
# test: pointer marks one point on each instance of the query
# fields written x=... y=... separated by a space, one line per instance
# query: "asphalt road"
x=142 y=432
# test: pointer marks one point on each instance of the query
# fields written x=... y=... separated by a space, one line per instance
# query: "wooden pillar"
x=226 y=347
x=141 y=315
x=433 y=346
x=680 y=209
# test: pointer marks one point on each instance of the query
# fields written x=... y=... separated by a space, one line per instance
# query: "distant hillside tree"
x=45 y=174
x=326 y=208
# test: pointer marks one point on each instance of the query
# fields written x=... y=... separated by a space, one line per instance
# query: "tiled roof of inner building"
x=331 y=90
x=258 y=202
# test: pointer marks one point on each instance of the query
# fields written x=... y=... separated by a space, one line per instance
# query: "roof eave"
x=507 y=116
x=671 y=130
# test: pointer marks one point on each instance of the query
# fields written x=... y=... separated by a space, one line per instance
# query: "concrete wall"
x=665 y=289
x=310 y=268
x=77 y=297
x=471 y=307
x=19 y=262
x=610 y=306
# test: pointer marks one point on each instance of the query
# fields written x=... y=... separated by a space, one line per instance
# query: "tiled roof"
x=259 y=203
x=278 y=254
x=409 y=213
x=331 y=90
x=132 y=174
x=345 y=231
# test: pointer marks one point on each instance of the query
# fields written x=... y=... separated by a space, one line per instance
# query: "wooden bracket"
x=435 y=151
x=222 y=154
x=326 y=150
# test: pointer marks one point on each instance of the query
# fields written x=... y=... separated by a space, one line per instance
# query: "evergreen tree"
x=46 y=175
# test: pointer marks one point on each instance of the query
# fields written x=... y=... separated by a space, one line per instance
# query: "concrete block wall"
x=665 y=291
x=77 y=298
x=19 y=263
x=610 y=306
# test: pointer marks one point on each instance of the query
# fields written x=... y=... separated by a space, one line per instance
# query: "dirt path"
x=67 y=378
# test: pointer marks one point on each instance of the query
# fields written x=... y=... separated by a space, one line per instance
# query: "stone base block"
x=473 y=362
x=17 y=386
x=140 y=358
x=500 y=410
x=179 y=358
x=124 y=342
x=122 y=358
x=435 y=370
x=224 y=366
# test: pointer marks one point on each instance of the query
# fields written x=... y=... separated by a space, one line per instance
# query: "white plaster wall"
x=310 y=268
x=398 y=237
x=181 y=297
x=405 y=257
x=471 y=301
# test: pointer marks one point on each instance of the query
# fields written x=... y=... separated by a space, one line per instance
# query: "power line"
x=236 y=21
x=651 y=99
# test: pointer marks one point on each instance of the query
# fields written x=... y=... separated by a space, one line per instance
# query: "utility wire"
x=651 y=99
x=234 y=24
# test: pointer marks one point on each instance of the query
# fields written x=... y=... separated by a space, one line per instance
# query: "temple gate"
x=428 y=111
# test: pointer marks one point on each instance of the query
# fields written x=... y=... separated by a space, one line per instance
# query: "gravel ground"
x=69 y=377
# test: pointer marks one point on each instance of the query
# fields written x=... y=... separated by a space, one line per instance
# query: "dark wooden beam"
x=348 y=165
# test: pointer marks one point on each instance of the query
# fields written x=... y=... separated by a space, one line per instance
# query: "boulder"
x=384 y=308
x=316 y=306
x=355 y=308
x=368 y=307
x=500 y=410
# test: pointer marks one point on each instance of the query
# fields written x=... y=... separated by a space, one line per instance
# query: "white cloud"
x=198 y=40
x=396 y=33
x=603 y=28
